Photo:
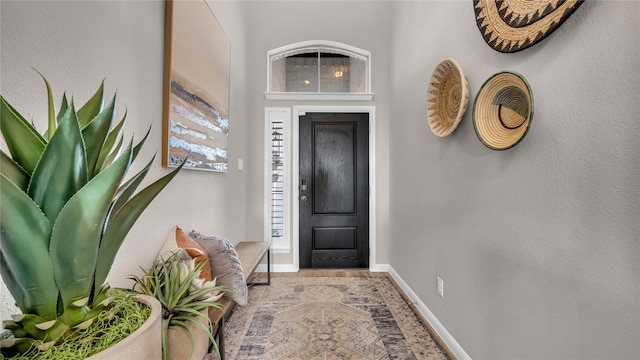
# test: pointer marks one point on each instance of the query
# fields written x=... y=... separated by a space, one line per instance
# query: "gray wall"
x=538 y=245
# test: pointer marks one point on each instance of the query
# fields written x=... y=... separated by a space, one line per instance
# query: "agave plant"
x=66 y=209
x=183 y=294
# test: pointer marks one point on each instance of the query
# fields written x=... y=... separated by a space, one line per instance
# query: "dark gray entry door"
x=334 y=190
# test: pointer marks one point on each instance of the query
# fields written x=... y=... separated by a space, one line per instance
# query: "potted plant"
x=66 y=209
x=185 y=298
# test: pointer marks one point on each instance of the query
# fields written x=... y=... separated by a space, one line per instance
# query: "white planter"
x=144 y=343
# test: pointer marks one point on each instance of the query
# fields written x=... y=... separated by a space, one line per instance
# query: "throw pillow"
x=225 y=265
x=177 y=240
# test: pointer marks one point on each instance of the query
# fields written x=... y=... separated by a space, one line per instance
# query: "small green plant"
x=183 y=294
x=66 y=209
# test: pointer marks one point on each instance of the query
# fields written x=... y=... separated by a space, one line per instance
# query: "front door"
x=334 y=190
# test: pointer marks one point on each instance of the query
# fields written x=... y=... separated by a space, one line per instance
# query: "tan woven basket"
x=503 y=110
x=447 y=97
x=514 y=25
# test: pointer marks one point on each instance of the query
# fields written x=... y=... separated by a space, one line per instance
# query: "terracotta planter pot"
x=144 y=343
x=179 y=341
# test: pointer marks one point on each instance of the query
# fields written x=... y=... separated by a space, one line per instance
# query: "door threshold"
x=330 y=273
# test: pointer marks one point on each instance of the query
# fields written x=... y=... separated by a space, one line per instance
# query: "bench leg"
x=268 y=282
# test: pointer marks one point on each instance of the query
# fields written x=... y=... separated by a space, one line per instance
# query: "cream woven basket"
x=447 y=97
x=503 y=110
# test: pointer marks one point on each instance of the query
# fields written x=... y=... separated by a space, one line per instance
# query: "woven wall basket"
x=447 y=97
x=503 y=110
x=513 y=25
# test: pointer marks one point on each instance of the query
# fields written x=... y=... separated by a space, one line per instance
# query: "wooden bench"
x=250 y=254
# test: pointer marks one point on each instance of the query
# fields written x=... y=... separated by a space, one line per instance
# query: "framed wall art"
x=196 y=88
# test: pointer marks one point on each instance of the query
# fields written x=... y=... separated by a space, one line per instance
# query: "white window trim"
x=318 y=96
x=280 y=244
x=319 y=44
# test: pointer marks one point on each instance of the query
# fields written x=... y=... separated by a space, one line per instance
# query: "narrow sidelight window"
x=278 y=177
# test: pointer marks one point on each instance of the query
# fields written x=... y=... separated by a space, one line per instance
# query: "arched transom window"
x=319 y=70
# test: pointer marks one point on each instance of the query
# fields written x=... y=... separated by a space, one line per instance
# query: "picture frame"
x=196 y=88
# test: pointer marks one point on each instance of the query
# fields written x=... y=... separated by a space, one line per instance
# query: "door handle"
x=303 y=198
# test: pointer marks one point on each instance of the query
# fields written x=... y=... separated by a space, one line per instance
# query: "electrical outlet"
x=440 y=286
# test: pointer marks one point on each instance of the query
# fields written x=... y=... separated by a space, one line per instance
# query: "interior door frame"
x=295 y=213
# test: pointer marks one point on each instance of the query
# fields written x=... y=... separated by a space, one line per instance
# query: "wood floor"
x=362 y=273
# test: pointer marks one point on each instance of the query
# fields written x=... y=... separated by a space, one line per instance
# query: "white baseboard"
x=437 y=326
x=379 y=268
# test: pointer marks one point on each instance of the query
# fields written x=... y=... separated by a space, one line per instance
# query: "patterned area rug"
x=327 y=318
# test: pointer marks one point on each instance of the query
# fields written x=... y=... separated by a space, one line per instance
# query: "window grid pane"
x=319 y=70
x=277 y=179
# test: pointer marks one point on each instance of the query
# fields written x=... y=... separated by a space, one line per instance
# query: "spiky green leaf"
x=29 y=323
x=76 y=236
x=72 y=316
x=13 y=171
x=101 y=296
x=136 y=149
x=25 y=234
x=92 y=107
x=63 y=108
x=23 y=140
x=62 y=169
x=110 y=141
x=52 y=117
x=95 y=133
x=123 y=220
x=12 y=282
x=165 y=344
x=53 y=331
x=114 y=154
x=129 y=188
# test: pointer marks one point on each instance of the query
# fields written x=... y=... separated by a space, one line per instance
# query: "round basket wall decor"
x=512 y=25
x=447 y=97
x=503 y=110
